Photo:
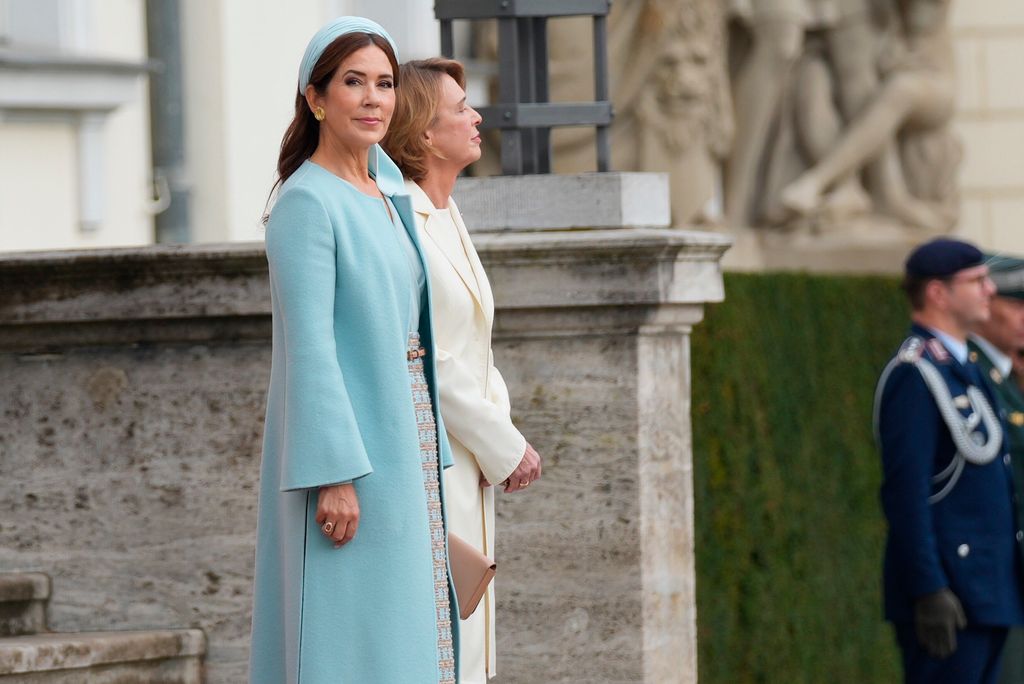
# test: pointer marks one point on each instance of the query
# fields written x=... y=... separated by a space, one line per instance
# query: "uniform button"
x=963 y=550
x=1020 y=535
x=1006 y=459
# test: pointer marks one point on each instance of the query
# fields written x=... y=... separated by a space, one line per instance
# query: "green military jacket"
x=1011 y=401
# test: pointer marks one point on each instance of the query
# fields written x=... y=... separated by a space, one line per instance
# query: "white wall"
x=410 y=22
x=241 y=65
x=118 y=30
x=989 y=38
x=241 y=70
x=241 y=60
x=40 y=179
x=38 y=188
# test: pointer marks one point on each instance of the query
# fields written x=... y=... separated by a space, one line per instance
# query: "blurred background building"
x=122 y=126
x=125 y=122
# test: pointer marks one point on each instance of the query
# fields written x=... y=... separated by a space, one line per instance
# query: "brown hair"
x=303 y=134
x=914 y=287
x=416 y=108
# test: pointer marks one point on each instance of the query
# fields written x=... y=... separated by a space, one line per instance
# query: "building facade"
x=77 y=170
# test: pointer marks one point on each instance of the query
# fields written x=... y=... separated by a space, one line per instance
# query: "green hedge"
x=789 y=526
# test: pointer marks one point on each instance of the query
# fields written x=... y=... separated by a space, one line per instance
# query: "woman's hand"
x=526 y=472
x=337 y=513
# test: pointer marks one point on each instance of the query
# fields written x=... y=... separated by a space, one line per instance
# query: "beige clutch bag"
x=472 y=571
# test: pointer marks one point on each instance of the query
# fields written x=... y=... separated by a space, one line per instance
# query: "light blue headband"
x=330 y=33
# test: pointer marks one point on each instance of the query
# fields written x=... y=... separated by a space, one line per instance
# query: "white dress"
x=474 y=405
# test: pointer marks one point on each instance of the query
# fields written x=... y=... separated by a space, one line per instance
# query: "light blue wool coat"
x=340 y=408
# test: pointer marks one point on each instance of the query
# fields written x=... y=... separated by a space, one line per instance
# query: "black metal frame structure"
x=523 y=113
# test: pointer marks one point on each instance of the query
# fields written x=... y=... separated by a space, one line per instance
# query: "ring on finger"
x=524 y=483
x=328 y=527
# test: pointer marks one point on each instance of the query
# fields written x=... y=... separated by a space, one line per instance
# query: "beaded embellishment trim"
x=428 y=458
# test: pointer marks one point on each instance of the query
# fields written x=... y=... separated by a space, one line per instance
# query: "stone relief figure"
x=842 y=40
x=669 y=88
x=901 y=137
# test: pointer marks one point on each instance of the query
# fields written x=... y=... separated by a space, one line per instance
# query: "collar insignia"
x=962 y=402
x=996 y=377
x=1017 y=418
x=937 y=350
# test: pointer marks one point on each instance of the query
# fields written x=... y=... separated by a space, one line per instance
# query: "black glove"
x=937 y=617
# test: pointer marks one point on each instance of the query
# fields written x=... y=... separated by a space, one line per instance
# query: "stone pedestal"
x=131 y=420
x=596 y=564
x=857 y=246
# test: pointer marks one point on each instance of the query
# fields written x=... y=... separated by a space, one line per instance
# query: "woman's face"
x=453 y=136
x=359 y=100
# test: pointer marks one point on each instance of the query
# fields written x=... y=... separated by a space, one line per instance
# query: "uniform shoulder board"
x=937 y=350
x=911 y=350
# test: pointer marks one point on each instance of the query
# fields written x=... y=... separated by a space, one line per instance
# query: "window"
x=31 y=24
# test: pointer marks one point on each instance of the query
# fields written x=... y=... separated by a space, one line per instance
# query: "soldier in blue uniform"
x=952 y=576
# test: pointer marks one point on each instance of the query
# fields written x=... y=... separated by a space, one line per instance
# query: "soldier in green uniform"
x=994 y=346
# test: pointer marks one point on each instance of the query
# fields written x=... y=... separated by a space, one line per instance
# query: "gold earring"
x=319 y=114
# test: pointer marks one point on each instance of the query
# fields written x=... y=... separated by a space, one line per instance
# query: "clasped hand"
x=528 y=471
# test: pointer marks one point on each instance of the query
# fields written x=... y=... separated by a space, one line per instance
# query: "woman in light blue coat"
x=352 y=577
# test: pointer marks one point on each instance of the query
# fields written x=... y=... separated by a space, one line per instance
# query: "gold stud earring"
x=319 y=114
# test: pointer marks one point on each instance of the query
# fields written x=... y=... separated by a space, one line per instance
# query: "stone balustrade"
x=132 y=408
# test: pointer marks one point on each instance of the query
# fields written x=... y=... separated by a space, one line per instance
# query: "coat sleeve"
x=480 y=425
x=321 y=444
x=907 y=432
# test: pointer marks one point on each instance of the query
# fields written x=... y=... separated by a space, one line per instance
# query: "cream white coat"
x=474 y=404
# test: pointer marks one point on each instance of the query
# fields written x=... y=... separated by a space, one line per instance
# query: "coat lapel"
x=404 y=208
x=485 y=298
x=450 y=245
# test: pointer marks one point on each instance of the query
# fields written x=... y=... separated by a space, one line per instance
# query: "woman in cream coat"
x=433 y=137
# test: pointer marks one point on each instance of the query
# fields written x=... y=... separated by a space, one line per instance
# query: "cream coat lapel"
x=450 y=245
x=484 y=296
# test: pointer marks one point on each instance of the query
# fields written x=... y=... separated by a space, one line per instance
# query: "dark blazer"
x=966 y=541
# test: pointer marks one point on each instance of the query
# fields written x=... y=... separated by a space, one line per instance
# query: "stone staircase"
x=29 y=654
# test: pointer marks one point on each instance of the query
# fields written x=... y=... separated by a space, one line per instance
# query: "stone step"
x=130 y=657
x=23 y=599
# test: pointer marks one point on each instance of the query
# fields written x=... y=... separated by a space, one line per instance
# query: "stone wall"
x=131 y=422
x=130 y=430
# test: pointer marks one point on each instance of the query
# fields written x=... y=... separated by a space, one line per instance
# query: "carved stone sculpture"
x=669 y=88
x=901 y=137
x=776 y=33
x=844 y=108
